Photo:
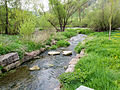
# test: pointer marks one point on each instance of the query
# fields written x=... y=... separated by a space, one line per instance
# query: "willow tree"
x=62 y=11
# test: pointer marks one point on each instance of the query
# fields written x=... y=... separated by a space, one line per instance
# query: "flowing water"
x=45 y=78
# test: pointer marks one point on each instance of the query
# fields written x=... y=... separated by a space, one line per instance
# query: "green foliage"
x=85 y=31
x=27 y=27
x=100 y=68
x=79 y=47
x=62 y=43
x=100 y=17
x=42 y=23
x=69 y=33
x=14 y=43
x=31 y=46
x=53 y=47
x=59 y=37
x=48 y=42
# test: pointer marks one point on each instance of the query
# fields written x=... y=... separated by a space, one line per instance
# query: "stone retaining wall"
x=12 y=60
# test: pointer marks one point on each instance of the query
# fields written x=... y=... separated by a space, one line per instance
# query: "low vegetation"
x=100 y=68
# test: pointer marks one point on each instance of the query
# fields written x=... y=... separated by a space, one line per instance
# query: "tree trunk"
x=110 y=31
x=61 y=28
x=6 y=26
x=79 y=15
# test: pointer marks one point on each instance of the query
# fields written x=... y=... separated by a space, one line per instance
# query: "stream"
x=45 y=78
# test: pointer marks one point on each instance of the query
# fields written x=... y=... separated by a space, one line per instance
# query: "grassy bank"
x=100 y=68
x=15 y=43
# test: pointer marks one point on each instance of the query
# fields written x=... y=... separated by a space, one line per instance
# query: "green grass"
x=14 y=43
x=100 y=69
x=84 y=31
x=62 y=43
x=53 y=47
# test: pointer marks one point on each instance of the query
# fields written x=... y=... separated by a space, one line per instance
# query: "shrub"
x=99 y=18
x=69 y=34
x=53 y=47
x=48 y=42
x=62 y=43
x=85 y=31
x=32 y=46
x=59 y=36
x=27 y=28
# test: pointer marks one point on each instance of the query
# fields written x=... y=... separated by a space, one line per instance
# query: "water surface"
x=45 y=78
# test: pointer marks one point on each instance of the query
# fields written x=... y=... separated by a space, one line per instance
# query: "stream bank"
x=45 y=78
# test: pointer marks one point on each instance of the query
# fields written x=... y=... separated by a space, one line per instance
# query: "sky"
x=45 y=2
x=30 y=6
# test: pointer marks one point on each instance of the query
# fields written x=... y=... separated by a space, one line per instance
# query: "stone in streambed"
x=11 y=66
x=8 y=59
x=66 y=53
x=69 y=70
x=34 y=68
x=53 y=53
x=50 y=65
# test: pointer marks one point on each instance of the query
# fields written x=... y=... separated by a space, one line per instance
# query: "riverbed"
x=47 y=77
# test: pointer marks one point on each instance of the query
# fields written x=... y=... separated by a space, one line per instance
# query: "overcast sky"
x=30 y=6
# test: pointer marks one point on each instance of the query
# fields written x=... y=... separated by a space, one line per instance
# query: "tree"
x=6 y=7
x=64 y=10
x=60 y=12
x=103 y=16
x=113 y=11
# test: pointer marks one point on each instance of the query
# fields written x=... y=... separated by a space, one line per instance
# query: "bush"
x=69 y=34
x=85 y=31
x=48 y=42
x=98 y=19
x=31 y=46
x=53 y=47
x=27 y=28
x=62 y=43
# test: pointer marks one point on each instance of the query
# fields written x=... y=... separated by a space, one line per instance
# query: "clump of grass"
x=84 y=31
x=69 y=33
x=53 y=47
x=100 y=68
x=79 y=47
x=62 y=43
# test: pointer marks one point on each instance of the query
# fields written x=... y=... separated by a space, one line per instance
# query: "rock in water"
x=50 y=65
x=53 y=53
x=34 y=68
x=8 y=59
x=66 y=53
x=11 y=66
x=84 y=88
